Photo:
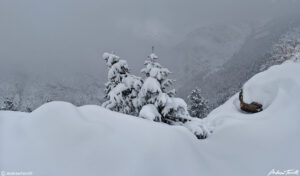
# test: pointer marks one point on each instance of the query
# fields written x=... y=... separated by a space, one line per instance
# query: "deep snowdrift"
x=60 y=139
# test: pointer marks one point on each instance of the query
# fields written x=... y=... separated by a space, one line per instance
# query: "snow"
x=150 y=85
x=132 y=81
x=153 y=56
x=177 y=105
x=110 y=58
x=161 y=100
x=199 y=128
x=159 y=73
x=61 y=139
x=150 y=112
x=117 y=70
x=115 y=94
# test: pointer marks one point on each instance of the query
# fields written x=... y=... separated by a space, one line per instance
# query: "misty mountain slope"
x=91 y=140
x=208 y=48
x=219 y=82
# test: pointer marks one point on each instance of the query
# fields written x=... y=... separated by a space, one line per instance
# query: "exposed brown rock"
x=252 y=107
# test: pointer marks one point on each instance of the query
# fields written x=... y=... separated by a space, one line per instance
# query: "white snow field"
x=59 y=139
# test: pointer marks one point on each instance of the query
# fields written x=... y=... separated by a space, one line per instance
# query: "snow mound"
x=254 y=144
x=269 y=85
x=61 y=139
x=268 y=88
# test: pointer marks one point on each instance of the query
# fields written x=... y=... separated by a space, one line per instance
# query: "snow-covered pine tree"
x=198 y=105
x=118 y=69
x=156 y=91
x=156 y=80
x=122 y=89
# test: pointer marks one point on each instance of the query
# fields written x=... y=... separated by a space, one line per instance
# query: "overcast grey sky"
x=62 y=32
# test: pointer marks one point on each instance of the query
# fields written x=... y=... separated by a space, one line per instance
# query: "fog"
x=42 y=36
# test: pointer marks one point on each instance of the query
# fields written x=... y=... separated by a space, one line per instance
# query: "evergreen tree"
x=118 y=69
x=122 y=89
x=198 y=104
x=155 y=90
x=156 y=80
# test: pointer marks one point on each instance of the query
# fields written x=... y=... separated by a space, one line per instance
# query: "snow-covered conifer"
x=122 y=88
x=117 y=71
x=198 y=104
x=155 y=91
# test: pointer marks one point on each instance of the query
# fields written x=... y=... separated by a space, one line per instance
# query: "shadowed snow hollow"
x=63 y=140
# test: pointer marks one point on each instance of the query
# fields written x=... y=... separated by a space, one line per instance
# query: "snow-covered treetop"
x=118 y=70
x=150 y=64
x=155 y=70
x=159 y=73
x=153 y=56
x=110 y=59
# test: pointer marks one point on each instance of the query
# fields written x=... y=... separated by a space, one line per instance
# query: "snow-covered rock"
x=61 y=139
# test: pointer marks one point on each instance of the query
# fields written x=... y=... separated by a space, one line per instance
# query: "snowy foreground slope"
x=63 y=140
